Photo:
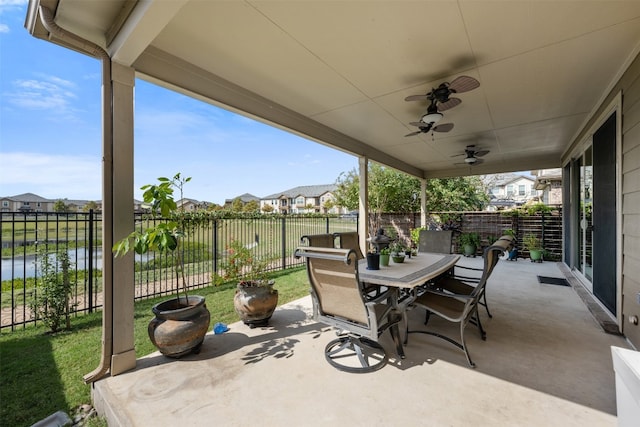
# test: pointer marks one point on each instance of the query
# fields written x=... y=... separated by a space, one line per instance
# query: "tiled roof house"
x=303 y=199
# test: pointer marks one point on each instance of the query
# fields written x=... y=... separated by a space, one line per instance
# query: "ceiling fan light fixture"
x=431 y=118
x=470 y=160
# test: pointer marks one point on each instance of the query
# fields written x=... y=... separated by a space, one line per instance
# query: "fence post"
x=90 y=260
x=543 y=233
x=284 y=242
x=215 y=246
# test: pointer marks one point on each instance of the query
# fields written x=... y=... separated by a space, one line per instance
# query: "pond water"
x=21 y=267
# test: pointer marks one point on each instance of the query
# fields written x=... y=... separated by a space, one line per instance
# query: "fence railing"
x=270 y=236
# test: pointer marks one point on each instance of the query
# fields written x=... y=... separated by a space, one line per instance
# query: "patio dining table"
x=404 y=279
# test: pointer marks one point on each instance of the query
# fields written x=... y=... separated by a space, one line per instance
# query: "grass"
x=42 y=373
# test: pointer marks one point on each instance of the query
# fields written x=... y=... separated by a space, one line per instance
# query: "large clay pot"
x=178 y=328
x=255 y=302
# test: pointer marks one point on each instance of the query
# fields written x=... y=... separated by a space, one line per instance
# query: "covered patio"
x=559 y=86
x=546 y=361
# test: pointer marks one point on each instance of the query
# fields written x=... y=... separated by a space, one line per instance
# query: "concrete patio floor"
x=546 y=362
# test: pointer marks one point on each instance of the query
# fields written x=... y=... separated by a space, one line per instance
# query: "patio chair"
x=339 y=300
x=435 y=241
x=319 y=240
x=349 y=240
x=462 y=284
x=459 y=307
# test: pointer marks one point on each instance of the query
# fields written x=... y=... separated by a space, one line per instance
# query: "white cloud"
x=43 y=95
x=4 y=28
x=50 y=175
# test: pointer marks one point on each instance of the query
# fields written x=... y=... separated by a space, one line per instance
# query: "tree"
x=60 y=206
x=267 y=208
x=91 y=205
x=394 y=191
x=237 y=205
x=251 y=206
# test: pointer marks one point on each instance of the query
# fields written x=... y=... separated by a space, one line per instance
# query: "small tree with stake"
x=164 y=237
x=179 y=325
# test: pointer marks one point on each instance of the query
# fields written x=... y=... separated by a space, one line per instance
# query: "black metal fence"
x=271 y=236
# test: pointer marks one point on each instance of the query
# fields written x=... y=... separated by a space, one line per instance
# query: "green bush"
x=50 y=302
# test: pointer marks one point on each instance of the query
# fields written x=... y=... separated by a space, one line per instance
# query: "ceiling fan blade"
x=452 y=102
x=416 y=97
x=478 y=161
x=419 y=124
x=463 y=84
x=481 y=153
x=445 y=127
x=418 y=132
x=458 y=155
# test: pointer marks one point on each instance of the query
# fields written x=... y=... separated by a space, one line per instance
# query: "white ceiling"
x=338 y=71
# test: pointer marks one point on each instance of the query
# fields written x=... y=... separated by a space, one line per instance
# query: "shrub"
x=53 y=288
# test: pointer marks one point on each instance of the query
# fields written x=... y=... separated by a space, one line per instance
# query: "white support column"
x=123 y=356
x=363 y=213
x=423 y=202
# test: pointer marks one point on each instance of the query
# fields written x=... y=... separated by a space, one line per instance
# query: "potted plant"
x=373 y=260
x=384 y=256
x=180 y=324
x=469 y=243
x=397 y=252
x=533 y=245
x=255 y=300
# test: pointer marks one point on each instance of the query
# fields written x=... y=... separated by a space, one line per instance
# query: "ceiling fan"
x=442 y=93
x=428 y=120
x=472 y=156
x=440 y=100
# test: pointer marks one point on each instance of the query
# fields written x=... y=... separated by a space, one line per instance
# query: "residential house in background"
x=31 y=203
x=548 y=183
x=244 y=199
x=511 y=190
x=27 y=202
x=303 y=199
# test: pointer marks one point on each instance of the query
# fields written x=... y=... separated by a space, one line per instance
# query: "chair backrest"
x=319 y=240
x=492 y=256
x=349 y=240
x=435 y=241
x=335 y=286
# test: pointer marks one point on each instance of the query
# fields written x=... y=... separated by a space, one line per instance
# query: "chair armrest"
x=380 y=299
x=448 y=294
x=468 y=268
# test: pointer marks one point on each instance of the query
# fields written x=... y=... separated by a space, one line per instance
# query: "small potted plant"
x=180 y=324
x=533 y=245
x=255 y=300
x=469 y=243
x=397 y=252
x=384 y=256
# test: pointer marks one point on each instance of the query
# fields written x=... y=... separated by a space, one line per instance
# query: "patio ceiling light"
x=431 y=118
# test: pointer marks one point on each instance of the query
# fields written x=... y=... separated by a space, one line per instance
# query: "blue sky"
x=50 y=134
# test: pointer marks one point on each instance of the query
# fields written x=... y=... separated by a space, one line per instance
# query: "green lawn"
x=41 y=373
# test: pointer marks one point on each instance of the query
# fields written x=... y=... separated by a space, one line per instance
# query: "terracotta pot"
x=255 y=303
x=178 y=328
